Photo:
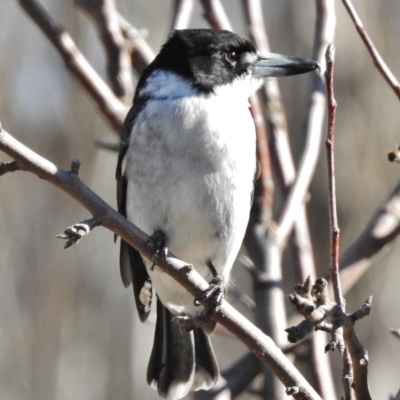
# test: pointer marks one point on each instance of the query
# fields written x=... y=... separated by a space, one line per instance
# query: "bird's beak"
x=271 y=64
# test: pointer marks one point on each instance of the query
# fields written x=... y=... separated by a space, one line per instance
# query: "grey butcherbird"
x=185 y=177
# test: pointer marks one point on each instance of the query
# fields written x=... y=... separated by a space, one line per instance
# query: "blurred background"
x=68 y=328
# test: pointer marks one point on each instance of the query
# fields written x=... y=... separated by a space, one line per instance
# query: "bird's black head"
x=210 y=58
x=206 y=57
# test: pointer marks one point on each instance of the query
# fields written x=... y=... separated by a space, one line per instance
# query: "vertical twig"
x=264 y=191
x=215 y=15
x=347 y=372
x=182 y=14
x=277 y=129
x=330 y=150
x=264 y=188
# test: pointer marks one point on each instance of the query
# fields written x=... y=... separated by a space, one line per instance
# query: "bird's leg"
x=156 y=244
x=215 y=292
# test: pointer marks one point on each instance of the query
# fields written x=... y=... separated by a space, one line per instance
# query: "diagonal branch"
x=376 y=57
x=109 y=105
x=382 y=229
x=260 y=344
x=119 y=72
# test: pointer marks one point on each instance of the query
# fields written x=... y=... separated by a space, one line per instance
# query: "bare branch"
x=381 y=230
x=215 y=15
x=314 y=304
x=360 y=361
x=395 y=332
x=182 y=14
x=260 y=344
x=337 y=335
x=261 y=210
x=8 y=166
x=376 y=57
x=396 y=397
x=119 y=72
x=141 y=53
x=325 y=28
x=109 y=105
x=330 y=149
x=74 y=233
x=264 y=190
x=355 y=350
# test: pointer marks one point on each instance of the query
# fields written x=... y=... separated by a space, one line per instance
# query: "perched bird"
x=185 y=176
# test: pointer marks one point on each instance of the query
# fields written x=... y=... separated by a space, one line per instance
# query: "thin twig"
x=376 y=57
x=330 y=151
x=302 y=246
x=264 y=190
x=109 y=105
x=119 y=72
x=277 y=127
x=141 y=53
x=182 y=14
x=260 y=344
x=215 y=15
x=358 y=365
x=261 y=210
x=395 y=332
x=8 y=166
x=324 y=34
x=381 y=230
x=313 y=302
x=396 y=397
x=335 y=232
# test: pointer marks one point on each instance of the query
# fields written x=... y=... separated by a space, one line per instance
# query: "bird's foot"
x=215 y=291
x=214 y=294
x=156 y=244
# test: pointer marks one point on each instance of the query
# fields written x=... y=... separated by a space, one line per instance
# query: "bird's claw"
x=156 y=244
x=215 y=293
x=215 y=290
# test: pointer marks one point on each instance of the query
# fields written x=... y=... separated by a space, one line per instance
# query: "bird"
x=185 y=176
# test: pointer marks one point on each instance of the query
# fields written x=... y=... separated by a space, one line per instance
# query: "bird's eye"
x=231 y=56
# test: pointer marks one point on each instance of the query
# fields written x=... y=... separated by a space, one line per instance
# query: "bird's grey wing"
x=131 y=263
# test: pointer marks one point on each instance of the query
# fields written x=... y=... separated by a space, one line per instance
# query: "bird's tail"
x=180 y=363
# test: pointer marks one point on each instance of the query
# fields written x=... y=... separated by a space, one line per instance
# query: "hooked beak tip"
x=271 y=65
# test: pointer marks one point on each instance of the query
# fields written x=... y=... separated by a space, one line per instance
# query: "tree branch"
x=261 y=345
x=347 y=372
x=330 y=152
x=109 y=105
x=312 y=302
x=141 y=53
x=9 y=166
x=215 y=15
x=106 y=17
x=182 y=14
x=376 y=57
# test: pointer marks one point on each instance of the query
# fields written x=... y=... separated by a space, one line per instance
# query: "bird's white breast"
x=190 y=168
